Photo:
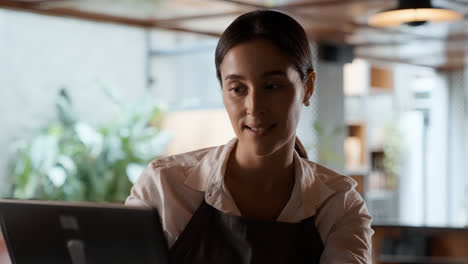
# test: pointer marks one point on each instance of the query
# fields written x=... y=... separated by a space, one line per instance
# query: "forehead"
x=254 y=58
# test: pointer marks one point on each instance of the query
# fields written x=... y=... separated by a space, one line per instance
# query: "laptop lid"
x=81 y=233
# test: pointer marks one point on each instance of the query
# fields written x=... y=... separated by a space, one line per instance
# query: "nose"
x=255 y=103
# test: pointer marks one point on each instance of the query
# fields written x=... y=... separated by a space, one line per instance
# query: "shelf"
x=421 y=259
x=355 y=146
x=398 y=242
x=381 y=79
x=360 y=183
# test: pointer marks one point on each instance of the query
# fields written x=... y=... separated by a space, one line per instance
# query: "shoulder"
x=173 y=170
x=342 y=219
x=342 y=190
x=335 y=181
x=164 y=178
x=328 y=194
x=183 y=160
x=342 y=207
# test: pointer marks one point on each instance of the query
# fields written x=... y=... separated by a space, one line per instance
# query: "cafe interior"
x=93 y=90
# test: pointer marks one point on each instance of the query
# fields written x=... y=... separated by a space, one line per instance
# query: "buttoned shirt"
x=176 y=185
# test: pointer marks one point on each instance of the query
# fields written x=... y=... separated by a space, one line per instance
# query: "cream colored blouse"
x=176 y=185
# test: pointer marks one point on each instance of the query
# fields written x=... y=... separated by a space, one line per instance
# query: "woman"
x=258 y=199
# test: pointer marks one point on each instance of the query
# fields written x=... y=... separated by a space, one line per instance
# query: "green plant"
x=327 y=144
x=393 y=154
x=76 y=161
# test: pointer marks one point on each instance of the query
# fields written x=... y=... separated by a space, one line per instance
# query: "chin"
x=262 y=145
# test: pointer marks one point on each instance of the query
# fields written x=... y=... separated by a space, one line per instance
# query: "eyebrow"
x=234 y=76
x=266 y=74
x=272 y=73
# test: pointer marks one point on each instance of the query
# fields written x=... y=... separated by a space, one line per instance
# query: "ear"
x=309 y=85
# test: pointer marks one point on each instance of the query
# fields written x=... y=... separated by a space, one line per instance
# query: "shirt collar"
x=207 y=176
x=211 y=167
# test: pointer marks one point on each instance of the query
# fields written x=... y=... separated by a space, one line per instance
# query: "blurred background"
x=93 y=90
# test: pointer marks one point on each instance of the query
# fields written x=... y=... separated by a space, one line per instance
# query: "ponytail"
x=300 y=149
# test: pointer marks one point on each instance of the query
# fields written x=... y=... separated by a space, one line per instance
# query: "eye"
x=237 y=89
x=272 y=86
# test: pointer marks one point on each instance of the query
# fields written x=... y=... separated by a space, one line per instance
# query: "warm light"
x=355 y=77
x=400 y=16
x=197 y=129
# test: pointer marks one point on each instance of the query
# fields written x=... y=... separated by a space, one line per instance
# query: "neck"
x=263 y=168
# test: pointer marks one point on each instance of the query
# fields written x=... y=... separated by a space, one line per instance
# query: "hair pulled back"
x=282 y=30
x=285 y=32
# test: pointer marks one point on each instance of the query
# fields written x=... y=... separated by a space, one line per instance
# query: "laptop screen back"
x=54 y=232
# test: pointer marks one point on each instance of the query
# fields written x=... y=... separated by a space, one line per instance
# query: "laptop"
x=46 y=232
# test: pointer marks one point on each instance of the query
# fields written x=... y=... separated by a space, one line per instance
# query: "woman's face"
x=263 y=94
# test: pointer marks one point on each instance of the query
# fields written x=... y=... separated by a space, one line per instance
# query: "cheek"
x=291 y=112
x=233 y=112
x=294 y=113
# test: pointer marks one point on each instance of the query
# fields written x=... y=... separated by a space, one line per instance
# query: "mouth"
x=259 y=130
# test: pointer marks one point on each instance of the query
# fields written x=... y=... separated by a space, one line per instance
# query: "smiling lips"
x=259 y=130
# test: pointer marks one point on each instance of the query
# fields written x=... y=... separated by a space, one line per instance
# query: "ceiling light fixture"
x=413 y=13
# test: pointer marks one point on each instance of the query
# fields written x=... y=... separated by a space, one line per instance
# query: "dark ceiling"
x=442 y=46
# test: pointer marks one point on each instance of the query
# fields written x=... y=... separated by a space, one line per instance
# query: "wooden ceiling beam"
x=74 y=13
x=447 y=46
x=168 y=24
x=197 y=17
x=329 y=36
x=246 y=4
x=393 y=60
x=394 y=44
x=189 y=30
x=394 y=31
x=455 y=60
x=302 y=4
x=324 y=3
x=451 y=67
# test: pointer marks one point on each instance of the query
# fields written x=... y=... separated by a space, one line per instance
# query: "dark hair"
x=285 y=32
x=279 y=28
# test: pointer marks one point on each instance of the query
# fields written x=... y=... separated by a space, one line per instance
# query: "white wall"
x=40 y=54
x=411 y=209
x=330 y=109
x=458 y=129
x=427 y=194
x=437 y=152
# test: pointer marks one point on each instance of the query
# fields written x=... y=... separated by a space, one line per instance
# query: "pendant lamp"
x=413 y=13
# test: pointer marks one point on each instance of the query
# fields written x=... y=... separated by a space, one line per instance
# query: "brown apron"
x=212 y=236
